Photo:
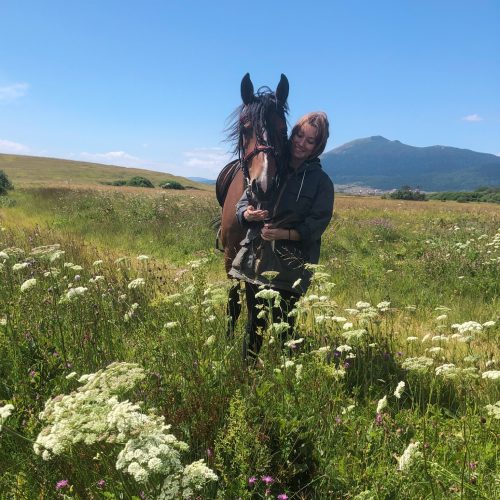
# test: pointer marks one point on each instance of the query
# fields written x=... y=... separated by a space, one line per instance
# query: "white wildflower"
x=489 y=324
x=131 y=312
x=73 y=293
x=28 y=284
x=280 y=328
x=494 y=410
x=3 y=255
x=294 y=342
x=298 y=372
x=71 y=375
x=296 y=283
x=210 y=340
x=20 y=266
x=491 y=374
x=440 y=338
x=434 y=350
x=352 y=312
x=442 y=317
x=142 y=258
x=96 y=279
x=362 y=305
x=347 y=325
x=409 y=455
x=339 y=319
x=411 y=339
x=344 y=348
x=97 y=263
x=138 y=282
x=382 y=404
x=418 y=364
x=399 y=390
x=171 y=324
x=5 y=412
x=383 y=306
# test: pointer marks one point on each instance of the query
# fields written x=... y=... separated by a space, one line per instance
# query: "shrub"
x=408 y=193
x=139 y=181
x=172 y=185
x=5 y=184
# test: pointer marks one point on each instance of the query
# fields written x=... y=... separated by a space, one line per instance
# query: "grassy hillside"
x=37 y=170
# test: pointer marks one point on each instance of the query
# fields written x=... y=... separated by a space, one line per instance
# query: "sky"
x=151 y=83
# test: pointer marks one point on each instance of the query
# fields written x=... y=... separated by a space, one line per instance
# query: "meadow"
x=117 y=379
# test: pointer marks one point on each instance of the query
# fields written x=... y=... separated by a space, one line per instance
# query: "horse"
x=258 y=130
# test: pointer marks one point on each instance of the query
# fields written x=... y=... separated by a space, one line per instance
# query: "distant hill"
x=380 y=163
x=203 y=180
x=37 y=170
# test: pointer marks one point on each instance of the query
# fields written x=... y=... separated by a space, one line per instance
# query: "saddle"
x=224 y=180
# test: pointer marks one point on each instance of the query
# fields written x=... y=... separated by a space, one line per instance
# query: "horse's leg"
x=233 y=308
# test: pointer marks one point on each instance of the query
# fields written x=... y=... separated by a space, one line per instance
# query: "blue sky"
x=151 y=83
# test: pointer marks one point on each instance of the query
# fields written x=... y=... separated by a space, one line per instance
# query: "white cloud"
x=472 y=118
x=13 y=147
x=116 y=158
x=206 y=162
x=14 y=91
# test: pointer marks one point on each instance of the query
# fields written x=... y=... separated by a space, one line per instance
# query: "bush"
x=408 y=193
x=5 y=184
x=172 y=185
x=139 y=181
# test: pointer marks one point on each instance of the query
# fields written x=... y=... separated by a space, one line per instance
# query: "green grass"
x=308 y=415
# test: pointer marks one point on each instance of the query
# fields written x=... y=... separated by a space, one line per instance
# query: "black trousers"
x=253 y=341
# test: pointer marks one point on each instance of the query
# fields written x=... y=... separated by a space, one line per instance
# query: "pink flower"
x=252 y=480
x=282 y=496
x=267 y=480
x=101 y=483
x=62 y=484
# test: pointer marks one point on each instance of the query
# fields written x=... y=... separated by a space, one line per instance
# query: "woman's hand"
x=270 y=233
x=251 y=214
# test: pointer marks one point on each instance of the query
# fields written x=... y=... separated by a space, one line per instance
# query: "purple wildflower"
x=267 y=480
x=62 y=484
x=101 y=483
x=252 y=480
x=379 y=419
x=282 y=496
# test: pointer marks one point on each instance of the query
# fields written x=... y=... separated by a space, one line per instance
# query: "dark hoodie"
x=304 y=203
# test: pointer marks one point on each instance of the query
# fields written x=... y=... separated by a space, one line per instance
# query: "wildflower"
x=383 y=306
x=434 y=350
x=347 y=325
x=344 y=348
x=270 y=275
x=62 y=484
x=439 y=338
x=362 y=305
x=382 y=404
x=280 y=328
x=494 y=410
x=28 y=284
x=5 y=412
x=101 y=483
x=296 y=283
x=339 y=319
x=136 y=283
x=399 y=390
x=171 y=324
x=409 y=455
x=267 y=480
x=492 y=374
x=71 y=375
x=210 y=340
x=411 y=339
x=419 y=364
x=298 y=372
x=4 y=255
x=411 y=308
x=142 y=258
x=19 y=266
x=489 y=324
x=293 y=343
x=442 y=317
x=282 y=496
x=352 y=312
x=72 y=293
x=252 y=480
x=97 y=263
x=468 y=326
x=354 y=336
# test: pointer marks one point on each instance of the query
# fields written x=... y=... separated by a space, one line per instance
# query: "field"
x=390 y=389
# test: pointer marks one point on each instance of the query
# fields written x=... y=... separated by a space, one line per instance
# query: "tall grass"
x=406 y=294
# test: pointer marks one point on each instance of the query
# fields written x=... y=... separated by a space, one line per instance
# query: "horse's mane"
x=257 y=113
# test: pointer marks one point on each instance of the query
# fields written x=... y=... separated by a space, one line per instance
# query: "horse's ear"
x=247 y=89
x=282 y=90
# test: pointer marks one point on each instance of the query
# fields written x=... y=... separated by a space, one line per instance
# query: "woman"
x=302 y=211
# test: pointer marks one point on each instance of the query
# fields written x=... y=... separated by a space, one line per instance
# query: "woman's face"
x=304 y=142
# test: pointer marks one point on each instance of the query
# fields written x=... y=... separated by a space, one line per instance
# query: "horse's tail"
x=216 y=224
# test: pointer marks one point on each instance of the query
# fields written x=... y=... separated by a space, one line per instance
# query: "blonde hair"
x=319 y=121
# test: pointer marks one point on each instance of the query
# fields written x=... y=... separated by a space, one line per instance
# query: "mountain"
x=203 y=180
x=380 y=163
x=37 y=170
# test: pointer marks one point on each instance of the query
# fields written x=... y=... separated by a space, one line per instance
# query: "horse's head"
x=260 y=132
